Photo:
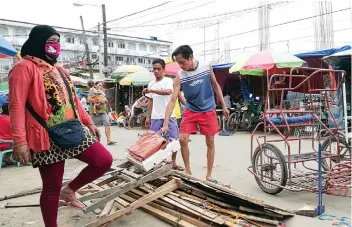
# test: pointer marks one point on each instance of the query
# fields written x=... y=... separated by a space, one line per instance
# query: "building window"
x=130 y=60
x=119 y=58
x=95 y=42
x=81 y=41
x=153 y=49
x=141 y=60
x=70 y=40
x=109 y=58
x=142 y=47
x=132 y=46
x=149 y=61
x=20 y=32
x=94 y=56
x=110 y=44
x=4 y=31
x=121 y=46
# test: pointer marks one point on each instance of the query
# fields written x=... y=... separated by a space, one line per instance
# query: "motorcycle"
x=252 y=113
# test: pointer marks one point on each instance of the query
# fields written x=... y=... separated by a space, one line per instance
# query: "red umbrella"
x=172 y=69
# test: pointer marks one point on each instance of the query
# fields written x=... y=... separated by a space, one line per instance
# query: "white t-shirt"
x=160 y=101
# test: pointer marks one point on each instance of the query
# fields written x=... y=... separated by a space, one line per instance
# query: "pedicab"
x=307 y=169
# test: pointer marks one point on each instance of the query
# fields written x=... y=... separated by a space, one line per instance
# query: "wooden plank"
x=164 y=171
x=173 y=212
x=161 y=191
x=131 y=174
x=107 y=208
x=268 y=213
x=209 y=214
x=122 y=202
x=119 y=191
x=174 y=220
x=218 y=187
x=106 y=181
x=158 y=201
x=125 y=178
x=115 y=207
x=217 y=220
x=17 y=205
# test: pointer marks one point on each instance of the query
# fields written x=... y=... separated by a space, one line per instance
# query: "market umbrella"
x=262 y=61
x=335 y=58
x=124 y=70
x=6 y=48
x=172 y=69
x=138 y=79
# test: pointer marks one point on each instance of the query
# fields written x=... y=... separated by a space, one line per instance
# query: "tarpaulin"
x=322 y=53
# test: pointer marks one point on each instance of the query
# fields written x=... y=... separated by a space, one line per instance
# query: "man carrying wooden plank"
x=198 y=84
x=159 y=94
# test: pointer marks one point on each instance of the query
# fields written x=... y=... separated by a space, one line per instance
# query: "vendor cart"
x=315 y=167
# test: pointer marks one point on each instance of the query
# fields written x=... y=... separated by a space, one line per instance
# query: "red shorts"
x=206 y=121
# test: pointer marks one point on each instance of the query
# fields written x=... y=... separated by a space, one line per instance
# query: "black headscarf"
x=35 y=44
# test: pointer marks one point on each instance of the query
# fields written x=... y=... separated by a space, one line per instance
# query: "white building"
x=121 y=49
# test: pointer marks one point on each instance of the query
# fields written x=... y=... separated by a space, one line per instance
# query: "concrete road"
x=231 y=162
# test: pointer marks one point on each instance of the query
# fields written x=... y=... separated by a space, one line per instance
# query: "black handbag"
x=68 y=134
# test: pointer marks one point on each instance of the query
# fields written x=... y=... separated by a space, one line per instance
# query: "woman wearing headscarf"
x=46 y=123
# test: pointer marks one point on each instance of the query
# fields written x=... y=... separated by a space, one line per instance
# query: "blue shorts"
x=172 y=133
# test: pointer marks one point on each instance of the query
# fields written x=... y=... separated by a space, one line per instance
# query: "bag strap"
x=36 y=116
x=68 y=88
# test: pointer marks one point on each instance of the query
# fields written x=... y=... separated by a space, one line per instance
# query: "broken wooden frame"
x=110 y=193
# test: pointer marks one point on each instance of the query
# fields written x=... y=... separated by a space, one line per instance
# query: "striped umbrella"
x=262 y=61
x=125 y=70
x=138 y=79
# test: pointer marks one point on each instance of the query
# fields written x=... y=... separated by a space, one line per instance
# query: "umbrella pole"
x=267 y=83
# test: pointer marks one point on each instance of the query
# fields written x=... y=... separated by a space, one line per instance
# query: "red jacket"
x=26 y=83
x=5 y=133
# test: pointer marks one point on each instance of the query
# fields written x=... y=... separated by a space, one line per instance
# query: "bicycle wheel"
x=232 y=125
x=269 y=165
x=330 y=145
x=247 y=120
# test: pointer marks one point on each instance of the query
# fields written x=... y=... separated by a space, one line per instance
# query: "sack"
x=148 y=144
x=65 y=135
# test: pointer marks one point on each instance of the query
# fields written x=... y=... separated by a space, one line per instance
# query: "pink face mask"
x=52 y=49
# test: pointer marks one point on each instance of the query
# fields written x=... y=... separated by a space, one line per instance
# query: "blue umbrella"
x=6 y=48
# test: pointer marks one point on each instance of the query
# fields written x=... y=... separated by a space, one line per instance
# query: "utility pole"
x=105 y=39
x=87 y=50
x=99 y=51
x=218 y=40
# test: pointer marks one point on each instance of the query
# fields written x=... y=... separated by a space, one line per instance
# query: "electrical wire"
x=174 y=13
x=271 y=26
x=202 y=18
x=164 y=10
x=274 y=42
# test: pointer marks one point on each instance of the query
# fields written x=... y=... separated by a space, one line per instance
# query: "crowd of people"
x=46 y=116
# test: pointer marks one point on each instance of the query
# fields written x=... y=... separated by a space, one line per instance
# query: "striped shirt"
x=197 y=88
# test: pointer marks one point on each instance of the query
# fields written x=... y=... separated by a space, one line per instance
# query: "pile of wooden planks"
x=175 y=198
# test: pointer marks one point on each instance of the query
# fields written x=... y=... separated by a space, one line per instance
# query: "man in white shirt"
x=159 y=93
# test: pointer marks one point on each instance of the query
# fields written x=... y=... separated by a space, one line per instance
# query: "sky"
x=182 y=22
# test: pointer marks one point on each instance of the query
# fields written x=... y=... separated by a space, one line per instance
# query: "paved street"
x=232 y=160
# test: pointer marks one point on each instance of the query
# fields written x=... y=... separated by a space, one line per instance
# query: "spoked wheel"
x=330 y=145
x=247 y=120
x=270 y=168
x=232 y=123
